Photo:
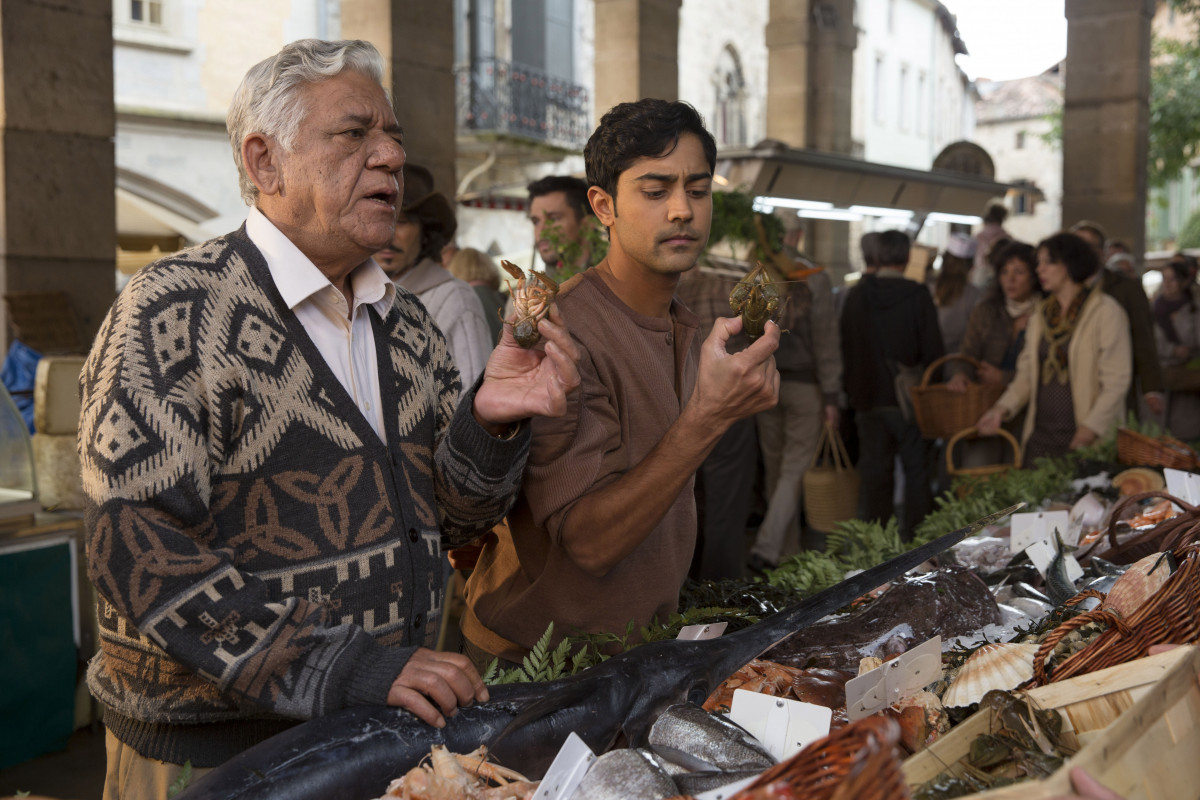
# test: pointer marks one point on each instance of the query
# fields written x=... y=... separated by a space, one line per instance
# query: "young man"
x=603 y=530
x=559 y=209
x=274 y=450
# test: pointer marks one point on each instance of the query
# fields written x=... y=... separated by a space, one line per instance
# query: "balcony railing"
x=502 y=97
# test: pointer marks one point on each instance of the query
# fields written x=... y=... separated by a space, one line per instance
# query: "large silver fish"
x=688 y=735
x=624 y=775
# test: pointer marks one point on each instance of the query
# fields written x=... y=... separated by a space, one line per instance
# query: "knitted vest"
x=257 y=551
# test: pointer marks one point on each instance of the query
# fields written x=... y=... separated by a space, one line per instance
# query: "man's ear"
x=261 y=157
x=603 y=204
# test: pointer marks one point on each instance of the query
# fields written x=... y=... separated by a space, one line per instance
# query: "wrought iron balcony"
x=502 y=97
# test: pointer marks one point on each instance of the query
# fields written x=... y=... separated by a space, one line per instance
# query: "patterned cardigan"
x=259 y=555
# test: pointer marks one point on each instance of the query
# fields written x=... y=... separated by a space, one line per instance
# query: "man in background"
x=560 y=211
x=889 y=326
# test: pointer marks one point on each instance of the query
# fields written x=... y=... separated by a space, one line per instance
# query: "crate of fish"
x=1134 y=727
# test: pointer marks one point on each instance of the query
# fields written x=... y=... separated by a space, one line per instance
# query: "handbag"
x=904 y=380
x=830 y=489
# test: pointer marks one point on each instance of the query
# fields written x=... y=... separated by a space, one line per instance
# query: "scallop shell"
x=1135 y=588
x=993 y=666
x=1137 y=480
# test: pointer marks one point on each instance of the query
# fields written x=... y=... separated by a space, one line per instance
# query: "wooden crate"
x=1137 y=726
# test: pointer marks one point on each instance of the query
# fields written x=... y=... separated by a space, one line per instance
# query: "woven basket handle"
x=1046 y=648
x=831 y=442
x=974 y=362
x=973 y=433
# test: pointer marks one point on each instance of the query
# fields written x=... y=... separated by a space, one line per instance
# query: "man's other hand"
x=731 y=386
x=520 y=383
x=432 y=684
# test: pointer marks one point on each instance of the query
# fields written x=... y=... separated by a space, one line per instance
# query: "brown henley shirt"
x=637 y=373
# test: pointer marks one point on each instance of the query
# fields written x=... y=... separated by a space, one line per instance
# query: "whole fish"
x=624 y=775
x=354 y=754
x=688 y=735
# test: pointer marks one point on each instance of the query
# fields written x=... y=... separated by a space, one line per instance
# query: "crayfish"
x=532 y=300
x=756 y=299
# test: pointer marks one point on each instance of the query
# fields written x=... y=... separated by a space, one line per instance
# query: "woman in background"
x=953 y=295
x=1177 y=333
x=1075 y=368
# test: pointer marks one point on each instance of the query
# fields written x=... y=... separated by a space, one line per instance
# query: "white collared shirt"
x=346 y=342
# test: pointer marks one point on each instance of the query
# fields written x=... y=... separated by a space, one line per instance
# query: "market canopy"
x=775 y=170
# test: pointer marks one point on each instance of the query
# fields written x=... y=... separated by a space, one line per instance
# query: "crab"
x=532 y=300
x=756 y=299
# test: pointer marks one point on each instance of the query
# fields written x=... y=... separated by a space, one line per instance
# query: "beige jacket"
x=1100 y=364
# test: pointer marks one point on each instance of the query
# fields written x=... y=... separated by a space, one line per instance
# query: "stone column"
x=787 y=71
x=637 y=51
x=810 y=65
x=416 y=37
x=58 y=229
x=1106 y=116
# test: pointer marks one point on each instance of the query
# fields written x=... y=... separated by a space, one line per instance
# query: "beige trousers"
x=132 y=776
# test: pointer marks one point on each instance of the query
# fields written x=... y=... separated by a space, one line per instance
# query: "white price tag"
x=1042 y=554
x=697 y=632
x=783 y=726
x=1183 y=485
x=1038 y=526
x=566 y=772
x=894 y=680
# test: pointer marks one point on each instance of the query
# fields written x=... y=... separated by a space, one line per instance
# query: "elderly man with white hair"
x=276 y=447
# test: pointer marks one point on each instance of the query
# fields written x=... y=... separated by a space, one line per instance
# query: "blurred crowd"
x=1058 y=336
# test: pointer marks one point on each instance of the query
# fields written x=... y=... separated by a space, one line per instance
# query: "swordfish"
x=353 y=754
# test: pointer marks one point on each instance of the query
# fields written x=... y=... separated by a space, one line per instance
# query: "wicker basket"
x=940 y=412
x=1138 y=450
x=1170 y=616
x=1164 y=536
x=859 y=761
x=982 y=471
x=830 y=490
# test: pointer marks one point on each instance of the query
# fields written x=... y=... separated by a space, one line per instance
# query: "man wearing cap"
x=424 y=226
x=276 y=447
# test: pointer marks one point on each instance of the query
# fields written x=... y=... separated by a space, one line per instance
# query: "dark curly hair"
x=1007 y=251
x=573 y=188
x=1074 y=253
x=648 y=128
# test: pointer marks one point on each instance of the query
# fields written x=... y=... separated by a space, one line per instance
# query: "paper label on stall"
x=1025 y=529
x=783 y=726
x=894 y=680
x=728 y=790
x=696 y=633
x=566 y=772
x=1183 y=485
x=1042 y=554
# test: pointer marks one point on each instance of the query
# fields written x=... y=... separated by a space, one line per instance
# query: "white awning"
x=777 y=171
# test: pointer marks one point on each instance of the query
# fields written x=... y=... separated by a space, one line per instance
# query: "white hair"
x=269 y=99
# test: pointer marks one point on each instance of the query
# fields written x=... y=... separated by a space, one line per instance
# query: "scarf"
x=1057 y=327
x=1164 y=309
x=1017 y=310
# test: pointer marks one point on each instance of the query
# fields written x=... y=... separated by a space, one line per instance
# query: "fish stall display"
x=657 y=716
x=355 y=753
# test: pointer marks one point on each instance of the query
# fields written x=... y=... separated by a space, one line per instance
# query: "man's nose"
x=389 y=154
x=680 y=206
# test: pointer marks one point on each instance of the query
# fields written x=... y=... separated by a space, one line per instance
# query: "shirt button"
x=670 y=338
x=412 y=534
x=417 y=621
